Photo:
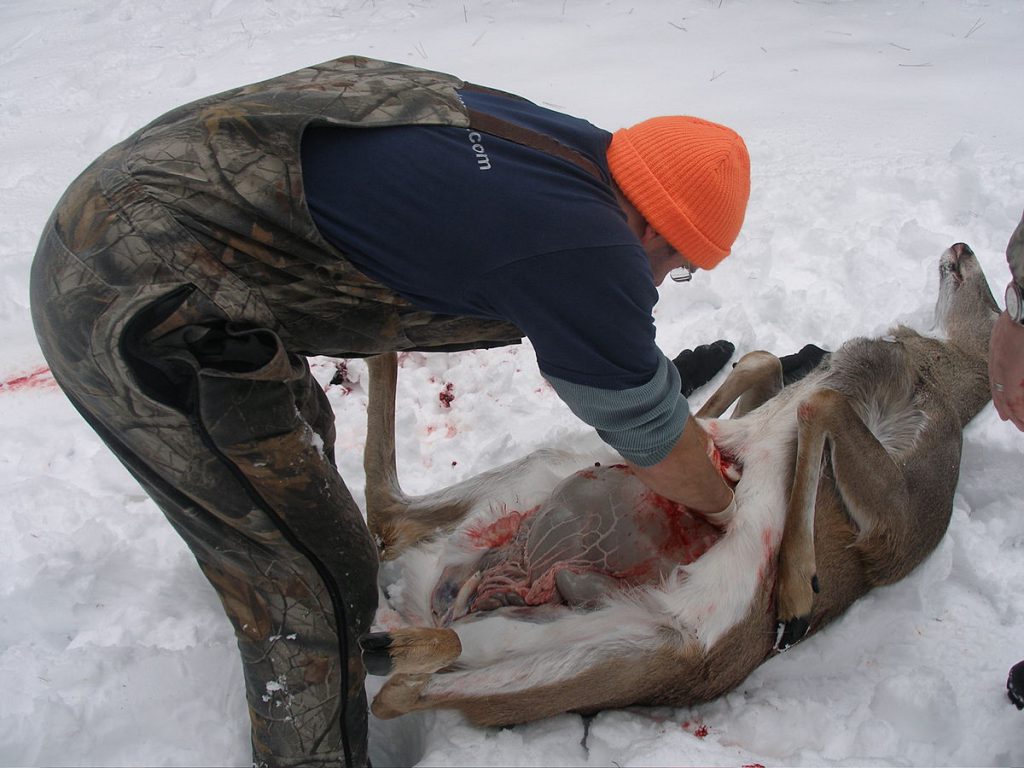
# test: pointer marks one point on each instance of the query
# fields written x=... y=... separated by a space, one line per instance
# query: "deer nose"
x=961 y=249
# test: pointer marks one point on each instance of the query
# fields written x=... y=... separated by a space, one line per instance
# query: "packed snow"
x=880 y=132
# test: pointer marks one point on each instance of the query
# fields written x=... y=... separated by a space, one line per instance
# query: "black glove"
x=1015 y=685
x=698 y=366
x=799 y=364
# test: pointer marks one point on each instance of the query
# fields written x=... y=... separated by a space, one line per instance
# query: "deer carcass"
x=594 y=593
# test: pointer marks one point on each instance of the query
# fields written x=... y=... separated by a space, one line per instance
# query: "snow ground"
x=881 y=131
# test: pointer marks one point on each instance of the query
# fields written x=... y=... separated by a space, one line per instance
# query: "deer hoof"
x=376 y=657
x=411 y=650
x=789 y=633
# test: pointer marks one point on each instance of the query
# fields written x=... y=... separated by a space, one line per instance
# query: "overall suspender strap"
x=527 y=137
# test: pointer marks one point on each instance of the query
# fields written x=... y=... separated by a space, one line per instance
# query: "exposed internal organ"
x=600 y=531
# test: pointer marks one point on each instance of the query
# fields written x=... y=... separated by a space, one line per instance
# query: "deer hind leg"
x=413 y=654
x=409 y=650
x=395 y=520
x=544 y=679
x=400 y=695
x=871 y=485
x=384 y=497
x=755 y=379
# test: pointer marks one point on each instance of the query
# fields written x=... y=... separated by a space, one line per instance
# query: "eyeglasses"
x=681 y=274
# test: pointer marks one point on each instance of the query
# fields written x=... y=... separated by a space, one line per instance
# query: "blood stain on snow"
x=697 y=729
x=447 y=395
x=341 y=377
x=40 y=378
x=450 y=430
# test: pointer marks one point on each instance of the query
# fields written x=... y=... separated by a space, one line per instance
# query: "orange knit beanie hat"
x=689 y=178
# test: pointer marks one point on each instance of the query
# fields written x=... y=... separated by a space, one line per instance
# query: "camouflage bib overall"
x=175 y=291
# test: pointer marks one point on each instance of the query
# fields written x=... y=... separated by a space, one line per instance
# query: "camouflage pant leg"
x=232 y=437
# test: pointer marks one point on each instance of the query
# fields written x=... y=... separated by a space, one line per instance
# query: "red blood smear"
x=723 y=462
x=688 y=536
x=37 y=379
x=499 y=532
x=805 y=412
x=767 y=552
x=682 y=538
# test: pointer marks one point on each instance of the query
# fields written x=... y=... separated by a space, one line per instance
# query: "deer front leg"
x=868 y=480
x=756 y=378
x=797 y=576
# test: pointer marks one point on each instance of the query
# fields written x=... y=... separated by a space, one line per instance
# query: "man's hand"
x=1006 y=369
x=687 y=475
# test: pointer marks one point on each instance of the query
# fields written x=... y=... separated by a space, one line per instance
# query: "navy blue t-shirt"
x=464 y=223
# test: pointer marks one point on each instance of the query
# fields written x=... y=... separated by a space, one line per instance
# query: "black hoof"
x=1015 y=685
x=789 y=633
x=379 y=664
x=375 y=641
x=376 y=657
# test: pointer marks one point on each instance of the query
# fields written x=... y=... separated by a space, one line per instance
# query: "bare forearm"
x=687 y=475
